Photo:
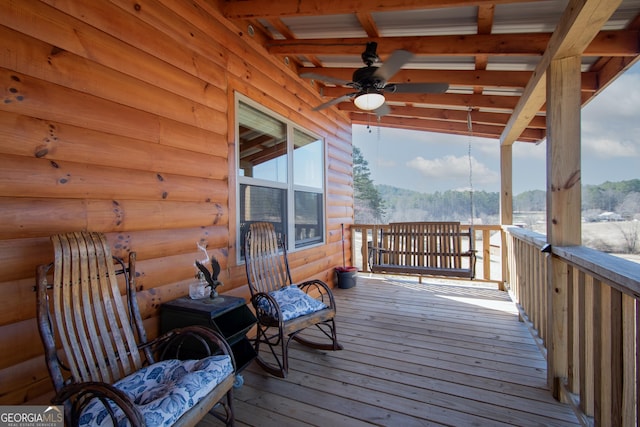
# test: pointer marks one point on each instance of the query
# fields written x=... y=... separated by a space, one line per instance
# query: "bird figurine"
x=211 y=277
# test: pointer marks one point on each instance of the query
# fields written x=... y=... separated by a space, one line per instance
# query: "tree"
x=369 y=206
x=631 y=234
x=630 y=206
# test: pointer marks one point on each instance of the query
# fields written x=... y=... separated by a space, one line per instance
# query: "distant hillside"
x=406 y=205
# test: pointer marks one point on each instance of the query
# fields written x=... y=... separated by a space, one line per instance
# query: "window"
x=280 y=176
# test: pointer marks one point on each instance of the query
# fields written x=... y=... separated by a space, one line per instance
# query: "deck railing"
x=588 y=317
x=587 y=322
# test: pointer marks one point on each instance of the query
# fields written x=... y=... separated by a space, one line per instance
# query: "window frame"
x=289 y=186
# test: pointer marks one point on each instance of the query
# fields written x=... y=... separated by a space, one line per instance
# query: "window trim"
x=289 y=186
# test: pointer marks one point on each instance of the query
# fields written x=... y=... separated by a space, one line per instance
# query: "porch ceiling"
x=494 y=54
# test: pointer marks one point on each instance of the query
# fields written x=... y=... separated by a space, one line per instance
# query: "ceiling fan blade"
x=416 y=87
x=326 y=79
x=393 y=64
x=335 y=101
x=383 y=110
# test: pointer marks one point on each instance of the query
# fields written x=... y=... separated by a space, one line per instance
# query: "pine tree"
x=369 y=206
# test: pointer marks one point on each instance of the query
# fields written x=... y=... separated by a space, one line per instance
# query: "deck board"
x=440 y=353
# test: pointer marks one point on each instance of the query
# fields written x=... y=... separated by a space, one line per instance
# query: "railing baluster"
x=602 y=323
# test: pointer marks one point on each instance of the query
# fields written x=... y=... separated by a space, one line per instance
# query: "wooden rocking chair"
x=106 y=373
x=284 y=309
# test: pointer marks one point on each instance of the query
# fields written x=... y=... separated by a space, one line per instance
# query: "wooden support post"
x=506 y=203
x=506 y=184
x=563 y=202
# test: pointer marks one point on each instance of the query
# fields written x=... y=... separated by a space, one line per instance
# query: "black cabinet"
x=227 y=315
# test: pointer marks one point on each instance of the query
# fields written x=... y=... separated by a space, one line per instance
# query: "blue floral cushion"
x=293 y=303
x=163 y=391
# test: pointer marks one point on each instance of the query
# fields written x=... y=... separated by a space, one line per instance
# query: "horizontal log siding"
x=118 y=118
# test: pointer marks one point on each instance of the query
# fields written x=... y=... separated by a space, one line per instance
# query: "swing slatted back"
x=425 y=249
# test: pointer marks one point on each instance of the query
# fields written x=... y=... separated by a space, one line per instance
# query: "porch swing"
x=428 y=248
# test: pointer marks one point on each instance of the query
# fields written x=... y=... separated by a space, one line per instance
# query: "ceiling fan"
x=370 y=82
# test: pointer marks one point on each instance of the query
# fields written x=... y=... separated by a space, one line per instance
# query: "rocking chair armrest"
x=323 y=289
x=77 y=396
x=171 y=341
x=273 y=305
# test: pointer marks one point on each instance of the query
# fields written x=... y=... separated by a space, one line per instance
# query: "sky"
x=429 y=162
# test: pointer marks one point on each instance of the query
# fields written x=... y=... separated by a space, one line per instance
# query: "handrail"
x=598 y=322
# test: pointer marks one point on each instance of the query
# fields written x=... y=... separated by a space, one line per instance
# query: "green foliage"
x=407 y=205
x=369 y=205
x=609 y=195
x=530 y=201
x=383 y=203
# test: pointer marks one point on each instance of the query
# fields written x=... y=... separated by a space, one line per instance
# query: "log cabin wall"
x=118 y=117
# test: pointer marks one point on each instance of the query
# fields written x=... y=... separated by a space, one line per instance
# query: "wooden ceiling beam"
x=504 y=103
x=246 y=9
x=460 y=116
x=485 y=25
x=486 y=131
x=368 y=24
x=605 y=43
x=608 y=69
x=488 y=79
x=485 y=18
x=611 y=70
x=579 y=24
x=507 y=79
x=282 y=28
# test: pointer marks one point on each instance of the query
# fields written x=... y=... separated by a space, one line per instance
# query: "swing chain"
x=470 y=129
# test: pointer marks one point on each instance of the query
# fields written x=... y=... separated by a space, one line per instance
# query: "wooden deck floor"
x=438 y=353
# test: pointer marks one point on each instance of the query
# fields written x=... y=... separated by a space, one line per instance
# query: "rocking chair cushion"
x=163 y=391
x=293 y=303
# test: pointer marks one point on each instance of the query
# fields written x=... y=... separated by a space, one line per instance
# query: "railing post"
x=563 y=201
x=504 y=259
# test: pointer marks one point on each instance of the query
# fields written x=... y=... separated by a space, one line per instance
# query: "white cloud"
x=618 y=103
x=527 y=150
x=610 y=122
x=454 y=169
x=486 y=146
x=607 y=148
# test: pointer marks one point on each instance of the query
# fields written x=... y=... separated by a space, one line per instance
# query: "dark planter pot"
x=346 y=277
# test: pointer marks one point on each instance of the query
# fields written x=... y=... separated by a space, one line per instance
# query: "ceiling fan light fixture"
x=369 y=101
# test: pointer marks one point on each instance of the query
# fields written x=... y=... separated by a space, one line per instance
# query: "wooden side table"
x=227 y=315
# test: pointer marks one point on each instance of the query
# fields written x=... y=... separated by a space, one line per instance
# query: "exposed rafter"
x=449 y=115
x=493 y=59
x=606 y=43
x=577 y=28
x=488 y=79
x=439 y=126
x=247 y=9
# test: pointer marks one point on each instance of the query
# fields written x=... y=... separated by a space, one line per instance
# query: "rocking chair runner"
x=284 y=309
x=106 y=376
